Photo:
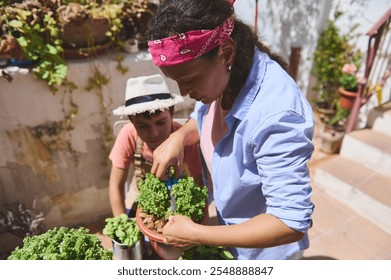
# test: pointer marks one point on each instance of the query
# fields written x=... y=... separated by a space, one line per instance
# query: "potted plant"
x=88 y=28
x=332 y=69
x=348 y=89
x=31 y=28
x=10 y=48
x=46 y=33
x=333 y=131
x=134 y=18
x=333 y=51
x=127 y=240
x=205 y=252
x=61 y=244
x=154 y=208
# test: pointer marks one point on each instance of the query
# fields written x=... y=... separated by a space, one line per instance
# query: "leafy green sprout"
x=123 y=230
x=190 y=199
x=62 y=244
x=205 y=252
x=154 y=197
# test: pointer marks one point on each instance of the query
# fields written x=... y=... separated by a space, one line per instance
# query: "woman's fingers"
x=169 y=153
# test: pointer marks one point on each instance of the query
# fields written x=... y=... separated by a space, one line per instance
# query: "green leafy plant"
x=339 y=119
x=154 y=197
x=349 y=78
x=123 y=230
x=333 y=51
x=35 y=29
x=349 y=82
x=62 y=244
x=190 y=199
x=205 y=252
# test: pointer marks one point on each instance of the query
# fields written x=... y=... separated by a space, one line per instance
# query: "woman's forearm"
x=261 y=231
x=188 y=132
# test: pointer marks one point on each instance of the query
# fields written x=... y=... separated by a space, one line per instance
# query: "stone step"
x=370 y=148
x=379 y=119
x=361 y=188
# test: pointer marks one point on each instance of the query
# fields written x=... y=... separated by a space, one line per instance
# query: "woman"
x=254 y=125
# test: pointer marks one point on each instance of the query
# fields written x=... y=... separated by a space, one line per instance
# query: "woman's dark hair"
x=178 y=16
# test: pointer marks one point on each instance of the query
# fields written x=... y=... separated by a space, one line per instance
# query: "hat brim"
x=151 y=106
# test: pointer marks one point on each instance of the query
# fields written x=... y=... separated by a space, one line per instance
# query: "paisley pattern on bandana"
x=186 y=46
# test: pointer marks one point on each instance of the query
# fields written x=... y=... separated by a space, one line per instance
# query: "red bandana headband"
x=186 y=46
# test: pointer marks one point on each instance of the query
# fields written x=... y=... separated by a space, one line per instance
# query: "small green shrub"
x=204 y=252
x=154 y=197
x=190 y=199
x=62 y=244
x=123 y=230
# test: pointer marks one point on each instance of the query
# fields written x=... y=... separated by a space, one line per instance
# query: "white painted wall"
x=282 y=24
x=69 y=185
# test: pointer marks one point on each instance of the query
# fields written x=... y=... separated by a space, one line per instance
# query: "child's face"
x=155 y=129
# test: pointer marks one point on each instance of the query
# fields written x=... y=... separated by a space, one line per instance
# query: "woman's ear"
x=227 y=52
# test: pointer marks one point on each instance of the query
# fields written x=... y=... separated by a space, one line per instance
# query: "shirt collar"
x=251 y=87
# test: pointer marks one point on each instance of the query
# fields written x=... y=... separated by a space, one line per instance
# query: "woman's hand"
x=171 y=151
x=180 y=231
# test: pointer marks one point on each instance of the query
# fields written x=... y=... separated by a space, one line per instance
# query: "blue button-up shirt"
x=260 y=165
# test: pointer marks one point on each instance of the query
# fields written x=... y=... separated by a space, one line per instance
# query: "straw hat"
x=147 y=94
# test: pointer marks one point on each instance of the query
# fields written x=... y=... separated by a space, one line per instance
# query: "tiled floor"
x=338 y=232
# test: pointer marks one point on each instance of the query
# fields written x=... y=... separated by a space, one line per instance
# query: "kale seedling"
x=123 y=230
x=154 y=197
x=62 y=244
x=190 y=199
x=204 y=252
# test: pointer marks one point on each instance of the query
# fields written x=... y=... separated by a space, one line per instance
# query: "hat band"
x=147 y=98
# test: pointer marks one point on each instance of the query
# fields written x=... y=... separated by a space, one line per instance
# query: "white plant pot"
x=123 y=252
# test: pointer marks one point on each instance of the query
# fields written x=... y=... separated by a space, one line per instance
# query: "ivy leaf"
x=15 y=23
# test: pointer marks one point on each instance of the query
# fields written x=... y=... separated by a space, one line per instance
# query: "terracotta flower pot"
x=331 y=139
x=10 y=48
x=323 y=114
x=79 y=29
x=347 y=98
x=85 y=33
x=164 y=251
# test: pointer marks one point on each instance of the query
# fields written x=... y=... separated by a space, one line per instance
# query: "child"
x=149 y=106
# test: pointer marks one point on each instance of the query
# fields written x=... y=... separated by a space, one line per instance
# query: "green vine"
x=96 y=82
x=120 y=67
x=37 y=35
